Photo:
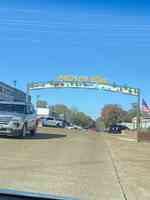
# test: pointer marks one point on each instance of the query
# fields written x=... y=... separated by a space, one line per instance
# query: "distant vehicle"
x=117 y=128
x=123 y=127
x=53 y=122
x=75 y=127
x=66 y=123
x=17 y=118
x=69 y=127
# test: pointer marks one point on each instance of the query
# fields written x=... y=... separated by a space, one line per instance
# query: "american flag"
x=145 y=107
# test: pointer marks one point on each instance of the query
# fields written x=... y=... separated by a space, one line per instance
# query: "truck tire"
x=58 y=125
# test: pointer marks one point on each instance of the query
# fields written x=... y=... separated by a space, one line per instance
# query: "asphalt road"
x=63 y=163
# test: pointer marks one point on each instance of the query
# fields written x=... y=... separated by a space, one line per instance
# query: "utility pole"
x=138 y=118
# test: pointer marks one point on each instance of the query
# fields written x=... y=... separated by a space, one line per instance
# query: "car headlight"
x=16 y=124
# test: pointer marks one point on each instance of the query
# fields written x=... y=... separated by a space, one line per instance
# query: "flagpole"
x=138 y=121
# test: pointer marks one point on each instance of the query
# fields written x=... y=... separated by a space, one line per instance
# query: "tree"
x=124 y=116
x=133 y=111
x=100 y=125
x=81 y=119
x=42 y=104
x=112 y=114
x=72 y=115
x=61 y=110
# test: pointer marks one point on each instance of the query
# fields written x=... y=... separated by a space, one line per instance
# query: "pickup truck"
x=17 y=119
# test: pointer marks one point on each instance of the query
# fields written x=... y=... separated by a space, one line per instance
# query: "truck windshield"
x=12 y=108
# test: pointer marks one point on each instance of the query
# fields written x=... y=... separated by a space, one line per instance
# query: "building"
x=42 y=112
x=9 y=93
x=144 y=123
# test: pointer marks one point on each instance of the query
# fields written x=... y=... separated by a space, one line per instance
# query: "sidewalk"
x=132 y=161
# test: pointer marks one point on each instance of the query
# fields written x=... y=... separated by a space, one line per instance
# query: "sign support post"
x=138 y=120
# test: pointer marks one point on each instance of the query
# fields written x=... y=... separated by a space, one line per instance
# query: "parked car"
x=53 y=122
x=123 y=127
x=117 y=128
x=75 y=127
x=17 y=118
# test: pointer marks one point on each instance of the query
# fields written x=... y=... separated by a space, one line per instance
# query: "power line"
x=80 y=25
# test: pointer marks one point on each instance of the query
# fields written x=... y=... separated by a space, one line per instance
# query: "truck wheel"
x=58 y=125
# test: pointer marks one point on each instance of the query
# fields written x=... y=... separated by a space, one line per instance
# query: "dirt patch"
x=144 y=136
x=130 y=134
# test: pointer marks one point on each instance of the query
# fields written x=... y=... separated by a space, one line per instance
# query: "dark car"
x=123 y=127
x=117 y=128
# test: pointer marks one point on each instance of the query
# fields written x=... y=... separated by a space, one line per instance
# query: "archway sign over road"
x=83 y=82
x=96 y=82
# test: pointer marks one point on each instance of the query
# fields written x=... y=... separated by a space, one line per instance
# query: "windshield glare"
x=75 y=99
x=12 y=108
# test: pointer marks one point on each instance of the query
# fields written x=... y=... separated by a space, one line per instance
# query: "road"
x=65 y=163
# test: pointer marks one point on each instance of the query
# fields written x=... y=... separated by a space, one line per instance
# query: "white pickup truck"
x=17 y=119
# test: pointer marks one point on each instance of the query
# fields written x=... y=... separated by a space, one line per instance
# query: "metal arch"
x=83 y=85
x=91 y=85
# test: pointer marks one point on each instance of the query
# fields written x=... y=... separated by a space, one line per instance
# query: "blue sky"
x=41 y=40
